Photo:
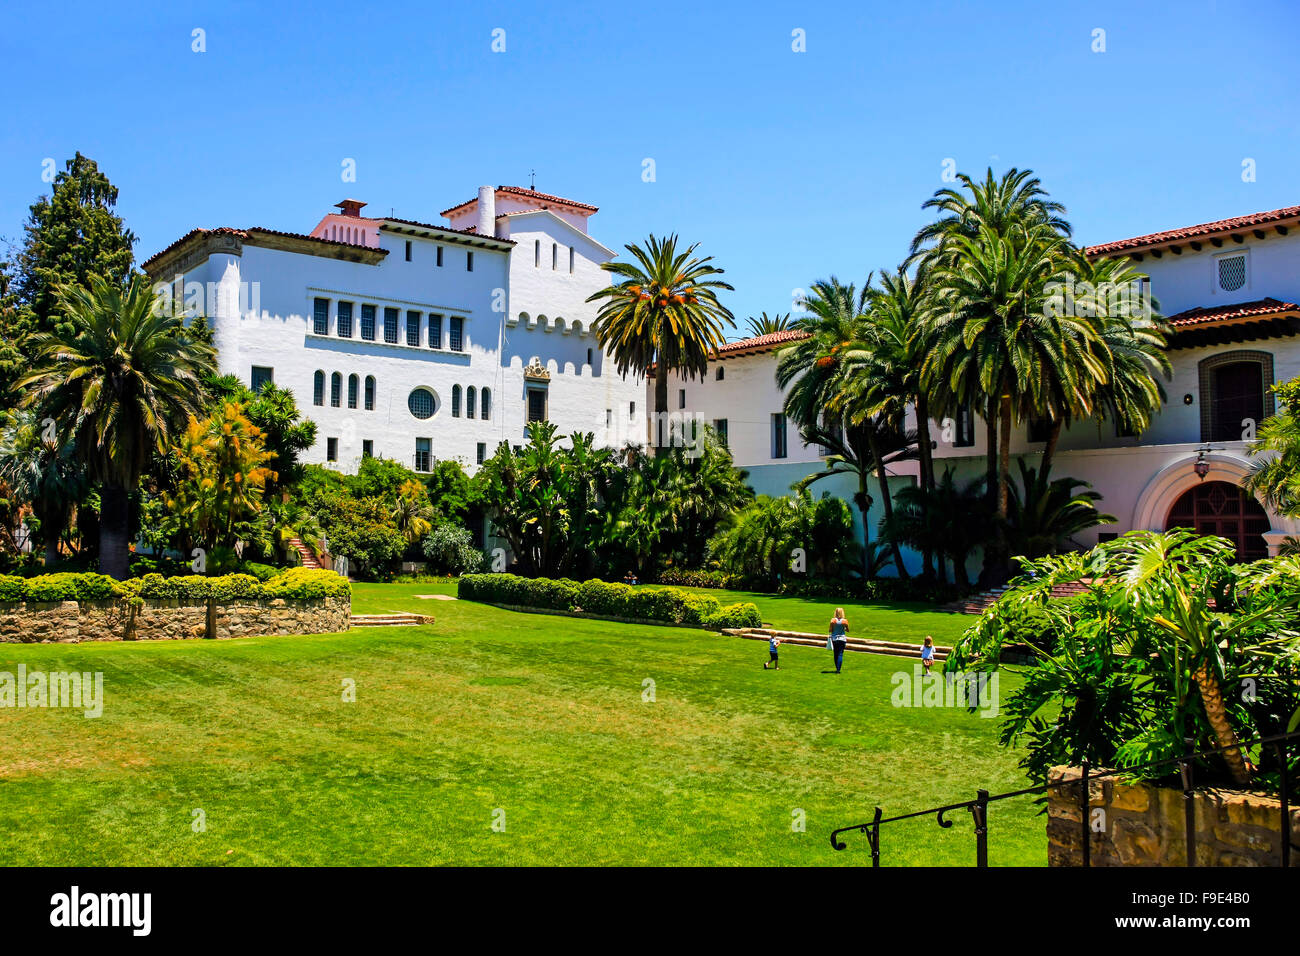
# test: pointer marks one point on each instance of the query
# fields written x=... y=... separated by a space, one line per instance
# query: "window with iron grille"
x=537 y=404
x=321 y=317
x=480 y=452
x=368 y=322
x=1232 y=272
x=318 y=389
x=413 y=328
x=423 y=454
x=471 y=401
x=454 y=329
x=390 y=326
x=455 y=401
x=485 y=404
x=420 y=403
x=336 y=390
x=345 y=320
x=354 y=384
x=435 y=331
x=370 y=393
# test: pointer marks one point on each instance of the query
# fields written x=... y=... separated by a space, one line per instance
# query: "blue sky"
x=785 y=166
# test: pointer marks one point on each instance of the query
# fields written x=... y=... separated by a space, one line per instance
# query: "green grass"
x=540 y=716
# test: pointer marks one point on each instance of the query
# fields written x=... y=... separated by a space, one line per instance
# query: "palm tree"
x=767 y=324
x=120 y=379
x=42 y=473
x=1044 y=514
x=1276 y=478
x=662 y=313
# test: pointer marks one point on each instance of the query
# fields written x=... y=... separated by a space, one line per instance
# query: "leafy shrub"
x=608 y=600
x=71 y=586
x=450 y=549
x=302 y=584
x=263 y=572
x=12 y=588
x=682 y=577
x=195 y=587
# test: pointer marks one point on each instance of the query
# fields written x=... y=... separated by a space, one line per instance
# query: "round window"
x=420 y=403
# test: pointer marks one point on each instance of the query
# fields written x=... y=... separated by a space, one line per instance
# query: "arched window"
x=471 y=400
x=537 y=253
x=455 y=401
x=555 y=255
x=485 y=404
x=1235 y=393
x=318 y=388
x=370 y=393
x=354 y=386
x=336 y=389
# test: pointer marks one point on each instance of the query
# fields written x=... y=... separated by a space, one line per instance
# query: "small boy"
x=772 y=643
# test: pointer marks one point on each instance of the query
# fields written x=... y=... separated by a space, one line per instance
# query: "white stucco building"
x=1229 y=290
x=417 y=341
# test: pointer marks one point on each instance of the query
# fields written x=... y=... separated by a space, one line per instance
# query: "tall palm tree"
x=120 y=378
x=767 y=324
x=663 y=312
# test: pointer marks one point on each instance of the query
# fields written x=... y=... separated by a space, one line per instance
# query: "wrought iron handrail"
x=978 y=807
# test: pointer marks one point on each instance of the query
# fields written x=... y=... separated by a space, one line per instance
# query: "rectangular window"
x=480 y=452
x=720 y=374
x=435 y=331
x=345 y=320
x=331 y=449
x=390 y=326
x=681 y=398
x=408 y=250
x=1040 y=429
x=609 y=418
x=368 y=322
x=537 y=404
x=413 y=329
x=779 y=447
x=320 y=317
x=261 y=377
x=454 y=328
x=631 y=410
x=720 y=426
x=423 y=454
x=570 y=260
x=438 y=256
x=537 y=253
x=469 y=262
x=367 y=448
x=555 y=256
x=965 y=431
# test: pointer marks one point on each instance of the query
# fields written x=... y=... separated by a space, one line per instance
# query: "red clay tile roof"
x=1259 y=309
x=531 y=194
x=760 y=343
x=245 y=233
x=1192 y=232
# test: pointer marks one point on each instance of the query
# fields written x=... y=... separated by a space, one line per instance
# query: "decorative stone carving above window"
x=535 y=371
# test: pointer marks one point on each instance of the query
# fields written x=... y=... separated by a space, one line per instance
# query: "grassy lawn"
x=540 y=717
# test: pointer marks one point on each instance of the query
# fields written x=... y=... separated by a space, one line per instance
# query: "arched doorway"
x=1222 y=508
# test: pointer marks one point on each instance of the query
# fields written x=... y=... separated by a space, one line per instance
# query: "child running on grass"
x=772 y=643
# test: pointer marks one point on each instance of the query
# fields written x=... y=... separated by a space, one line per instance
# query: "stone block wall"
x=1144 y=825
x=158 y=620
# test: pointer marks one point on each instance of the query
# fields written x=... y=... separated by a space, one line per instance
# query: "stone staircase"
x=394 y=619
x=863 y=644
x=979 y=603
x=308 y=556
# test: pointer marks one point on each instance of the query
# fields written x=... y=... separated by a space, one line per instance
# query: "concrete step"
x=396 y=619
x=862 y=645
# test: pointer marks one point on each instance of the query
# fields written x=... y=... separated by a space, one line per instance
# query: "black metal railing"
x=979 y=807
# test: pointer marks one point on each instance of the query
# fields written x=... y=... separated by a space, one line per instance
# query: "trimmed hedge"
x=296 y=584
x=654 y=604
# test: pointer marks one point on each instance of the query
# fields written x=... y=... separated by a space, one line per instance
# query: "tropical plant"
x=41 y=472
x=948 y=520
x=1276 y=475
x=662 y=313
x=1044 y=515
x=120 y=379
x=767 y=324
x=449 y=548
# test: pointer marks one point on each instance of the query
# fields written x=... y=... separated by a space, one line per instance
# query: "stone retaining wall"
x=1144 y=825
x=159 y=620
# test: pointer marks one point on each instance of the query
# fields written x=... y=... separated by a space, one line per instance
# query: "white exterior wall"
x=274 y=328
